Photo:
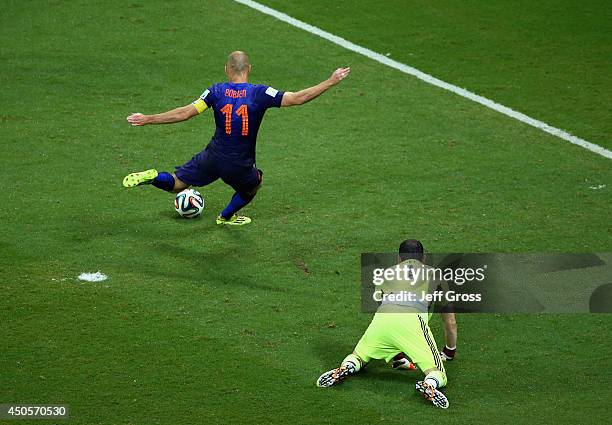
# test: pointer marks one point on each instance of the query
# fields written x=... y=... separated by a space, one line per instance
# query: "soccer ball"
x=189 y=203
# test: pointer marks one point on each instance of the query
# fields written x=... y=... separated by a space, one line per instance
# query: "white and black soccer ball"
x=189 y=203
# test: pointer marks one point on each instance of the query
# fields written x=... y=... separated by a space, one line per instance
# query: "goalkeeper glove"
x=402 y=362
x=447 y=353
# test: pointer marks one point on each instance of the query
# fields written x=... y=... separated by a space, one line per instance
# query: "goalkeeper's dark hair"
x=411 y=249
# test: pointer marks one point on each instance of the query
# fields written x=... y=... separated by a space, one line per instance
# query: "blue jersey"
x=239 y=109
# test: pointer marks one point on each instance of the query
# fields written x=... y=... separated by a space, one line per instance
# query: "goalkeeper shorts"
x=392 y=333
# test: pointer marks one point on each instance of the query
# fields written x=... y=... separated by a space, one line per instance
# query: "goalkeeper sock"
x=237 y=202
x=352 y=358
x=164 y=181
x=436 y=379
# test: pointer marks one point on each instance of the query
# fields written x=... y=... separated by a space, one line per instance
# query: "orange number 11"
x=242 y=112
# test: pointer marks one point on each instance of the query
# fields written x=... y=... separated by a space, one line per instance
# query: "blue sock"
x=235 y=204
x=164 y=181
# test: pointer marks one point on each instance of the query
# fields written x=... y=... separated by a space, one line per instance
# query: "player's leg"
x=168 y=182
x=414 y=338
x=349 y=366
x=246 y=182
x=162 y=180
x=430 y=387
x=198 y=171
x=239 y=200
x=372 y=345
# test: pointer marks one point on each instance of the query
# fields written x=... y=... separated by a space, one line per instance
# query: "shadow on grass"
x=163 y=244
x=188 y=252
x=331 y=349
x=215 y=266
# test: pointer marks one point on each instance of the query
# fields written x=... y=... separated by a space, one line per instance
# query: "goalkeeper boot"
x=142 y=177
x=336 y=375
x=235 y=220
x=432 y=394
x=400 y=361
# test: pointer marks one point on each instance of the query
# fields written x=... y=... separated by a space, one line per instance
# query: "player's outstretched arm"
x=306 y=95
x=176 y=115
x=450 y=336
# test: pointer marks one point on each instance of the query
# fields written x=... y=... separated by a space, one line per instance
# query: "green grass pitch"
x=200 y=324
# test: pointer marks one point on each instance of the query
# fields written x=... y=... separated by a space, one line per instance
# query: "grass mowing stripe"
x=430 y=79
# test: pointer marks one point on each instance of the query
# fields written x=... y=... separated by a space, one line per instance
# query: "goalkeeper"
x=401 y=327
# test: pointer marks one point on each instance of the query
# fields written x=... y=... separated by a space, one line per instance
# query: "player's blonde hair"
x=238 y=62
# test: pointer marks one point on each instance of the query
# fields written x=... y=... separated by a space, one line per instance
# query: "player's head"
x=238 y=65
x=411 y=249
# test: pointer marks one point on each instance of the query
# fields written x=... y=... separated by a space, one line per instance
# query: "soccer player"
x=239 y=108
x=400 y=327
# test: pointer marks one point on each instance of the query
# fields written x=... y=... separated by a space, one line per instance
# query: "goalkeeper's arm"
x=450 y=336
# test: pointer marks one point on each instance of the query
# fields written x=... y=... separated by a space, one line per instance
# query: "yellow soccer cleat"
x=235 y=220
x=143 y=177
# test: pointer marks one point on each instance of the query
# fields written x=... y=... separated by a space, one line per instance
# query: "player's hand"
x=447 y=354
x=339 y=75
x=403 y=364
x=137 y=119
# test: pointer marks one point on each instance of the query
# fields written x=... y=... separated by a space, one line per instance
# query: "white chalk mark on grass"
x=92 y=277
x=599 y=186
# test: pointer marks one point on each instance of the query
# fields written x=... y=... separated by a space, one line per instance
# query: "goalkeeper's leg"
x=372 y=345
x=412 y=336
x=350 y=365
x=429 y=387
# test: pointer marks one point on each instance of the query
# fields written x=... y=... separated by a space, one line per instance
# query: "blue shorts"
x=204 y=168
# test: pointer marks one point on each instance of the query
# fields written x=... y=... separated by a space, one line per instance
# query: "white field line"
x=428 y=78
